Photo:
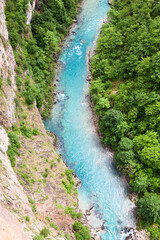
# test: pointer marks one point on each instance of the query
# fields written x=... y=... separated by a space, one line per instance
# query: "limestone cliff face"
x=48 y=194
x=12 y=197
x=7 y=74
x=34 y=187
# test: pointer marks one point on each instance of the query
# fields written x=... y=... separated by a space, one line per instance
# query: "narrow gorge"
x=79 y=120
x=103 y=190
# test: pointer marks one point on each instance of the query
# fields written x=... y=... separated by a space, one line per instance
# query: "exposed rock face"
x=30 y=11
x=110 y=2
x=11 y=188
x=7 y=73
x=48 y=197
x=10 y=227
x=11 y=196
x=3 y=141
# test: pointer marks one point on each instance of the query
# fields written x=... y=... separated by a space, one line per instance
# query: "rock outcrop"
x=12 y=197
x=30 y=11
x=7 y=74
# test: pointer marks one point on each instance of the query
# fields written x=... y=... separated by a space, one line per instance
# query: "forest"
x=36 y=47
x=125 y=90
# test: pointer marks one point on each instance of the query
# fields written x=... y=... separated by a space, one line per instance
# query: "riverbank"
x=134 y=234
x=71 y=121
x=142 y=234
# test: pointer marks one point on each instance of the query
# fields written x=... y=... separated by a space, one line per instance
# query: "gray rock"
x=110 y=2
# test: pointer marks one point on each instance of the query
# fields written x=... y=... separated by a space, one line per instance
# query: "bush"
x=19 y=82
x=0 y=82
x=52 y=224
x=27 y=218
x=44 y=232
x=45 y=174
x=68 y=187
x=30 y=95
x=13 y=147
x=26 y=131
x=81 y=232
x=69 y=173
x=155 y=232
x=73 y=213
x=38 y=237
x=34 y=208
x=35 y=131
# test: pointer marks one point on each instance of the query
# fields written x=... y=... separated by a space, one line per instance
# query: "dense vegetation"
x=35 y=51
x=125 y=91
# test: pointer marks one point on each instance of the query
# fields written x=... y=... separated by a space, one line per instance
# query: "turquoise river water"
x=72 y=121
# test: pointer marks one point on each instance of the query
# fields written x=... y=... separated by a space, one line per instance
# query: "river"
x=72 y=121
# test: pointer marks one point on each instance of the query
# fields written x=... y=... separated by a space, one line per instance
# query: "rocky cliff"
x=7 y=74
x=32 y=194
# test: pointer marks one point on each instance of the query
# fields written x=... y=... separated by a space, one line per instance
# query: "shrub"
x=27 y=218
x=34 y=208
x=73 y=213
x=69 y=173
x=0 y=82
x=38 y=237
x=13 y=147
x=35 y=131
x=44 y=232
x=30 y=95
x=26 y=131
x=19 y=82
x=45 y=174
x=52 y=224
x=31 y=200
x=68 y=187
x=81 y=232
x=155 y=232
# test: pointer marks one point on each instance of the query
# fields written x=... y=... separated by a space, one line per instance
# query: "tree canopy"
x=125 y=91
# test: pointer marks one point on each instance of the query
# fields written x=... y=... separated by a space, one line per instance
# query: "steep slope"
x=7 y=74
x=38 y=192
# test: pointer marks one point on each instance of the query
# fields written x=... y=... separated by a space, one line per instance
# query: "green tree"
x=140 y=184
x=125 y=157
x=125 y=144
x=102 y=105
x=151 y=156
x=145 y=140
x=149 y=207
x=113 y=127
